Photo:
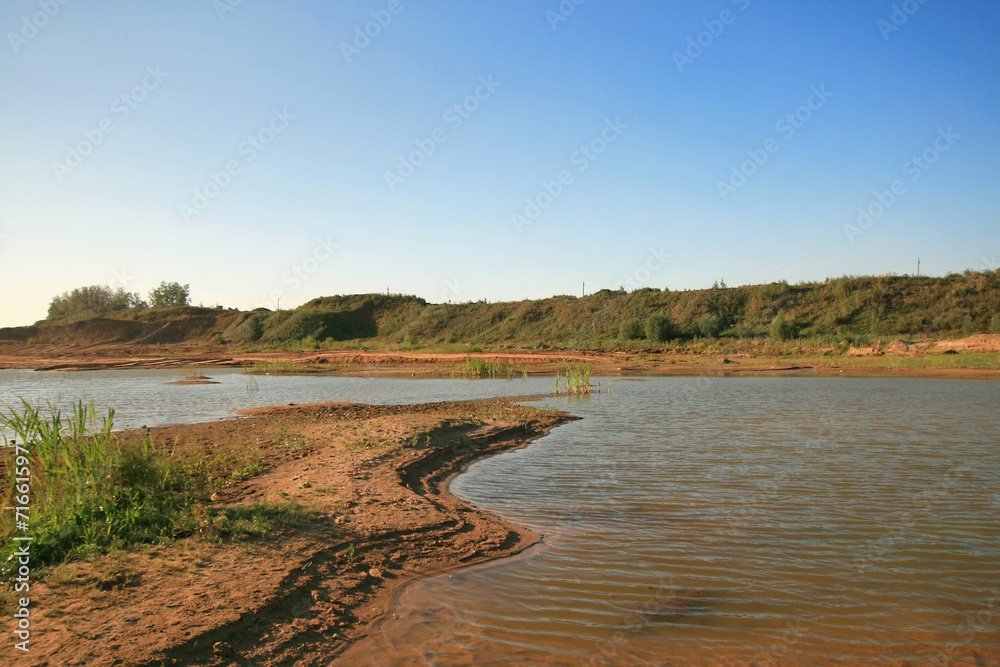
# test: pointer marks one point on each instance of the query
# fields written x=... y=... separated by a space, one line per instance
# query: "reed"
x=476 y=367
x=276 y=367
x=576 y=380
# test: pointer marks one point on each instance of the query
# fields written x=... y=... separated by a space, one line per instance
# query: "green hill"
x=855 y=309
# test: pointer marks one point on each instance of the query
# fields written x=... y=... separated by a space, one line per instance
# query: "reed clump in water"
x=576 y=380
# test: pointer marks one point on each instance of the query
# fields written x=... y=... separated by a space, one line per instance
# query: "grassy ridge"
x=852 y=309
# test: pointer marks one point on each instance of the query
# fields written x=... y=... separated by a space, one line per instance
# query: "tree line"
x=101 y=299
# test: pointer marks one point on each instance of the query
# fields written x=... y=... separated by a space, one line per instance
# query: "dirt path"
x=376 y=478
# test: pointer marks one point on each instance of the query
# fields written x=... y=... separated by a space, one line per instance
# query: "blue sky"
x=495 y=150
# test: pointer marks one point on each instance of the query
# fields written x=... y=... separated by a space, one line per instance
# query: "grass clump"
x=576 y=380
x=476 y=367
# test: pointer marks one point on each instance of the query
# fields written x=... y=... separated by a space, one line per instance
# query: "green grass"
x=91 y=492
x=476 y=367
x=576 y=380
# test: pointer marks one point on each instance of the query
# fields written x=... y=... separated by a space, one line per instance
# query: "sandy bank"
x=376 y=478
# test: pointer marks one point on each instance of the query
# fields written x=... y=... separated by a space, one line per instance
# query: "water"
x=734 y=521
x=143 y=397
x=688 y=521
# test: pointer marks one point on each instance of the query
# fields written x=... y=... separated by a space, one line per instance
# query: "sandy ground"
x=376 y=478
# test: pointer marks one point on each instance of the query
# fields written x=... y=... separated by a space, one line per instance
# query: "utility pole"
x=918 y=267
x=584 y=291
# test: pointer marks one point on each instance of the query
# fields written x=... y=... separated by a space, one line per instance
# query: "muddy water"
x=789 y=521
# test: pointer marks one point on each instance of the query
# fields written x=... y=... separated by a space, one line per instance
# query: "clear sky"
x=497 y=149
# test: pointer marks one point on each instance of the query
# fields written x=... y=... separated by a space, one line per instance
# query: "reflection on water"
x=734 y=521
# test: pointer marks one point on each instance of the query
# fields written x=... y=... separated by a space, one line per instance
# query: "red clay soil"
x=383 y=516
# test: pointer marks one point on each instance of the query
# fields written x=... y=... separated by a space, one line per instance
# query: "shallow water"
x=734 y=521
x=688 y=520
x=142 y=397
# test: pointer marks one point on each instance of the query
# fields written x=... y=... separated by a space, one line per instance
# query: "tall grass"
x=476 y=367
x=576 y=380
x=91 y=491
x=277 y=367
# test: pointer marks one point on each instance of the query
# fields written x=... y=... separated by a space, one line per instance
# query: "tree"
x=659 y=327
x=170 y=294
x=92 y=300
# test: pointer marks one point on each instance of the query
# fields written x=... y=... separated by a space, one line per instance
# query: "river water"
x=688 y=521
x=743 y=521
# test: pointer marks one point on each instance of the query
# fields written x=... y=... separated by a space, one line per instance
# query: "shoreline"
x=974 y=358
x=384 y=518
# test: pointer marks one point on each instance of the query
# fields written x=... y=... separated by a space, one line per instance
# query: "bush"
x=659 y=328
x=745 y=329
x=782 y=328
x=969 y=327
x=708 y=325
x=630 y=329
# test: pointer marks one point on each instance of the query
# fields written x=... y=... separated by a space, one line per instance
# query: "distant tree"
x=708 y=325
x=659 y=327
x=630 y=329
x=92 y=300
x=170 y=294
x=782 y=328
